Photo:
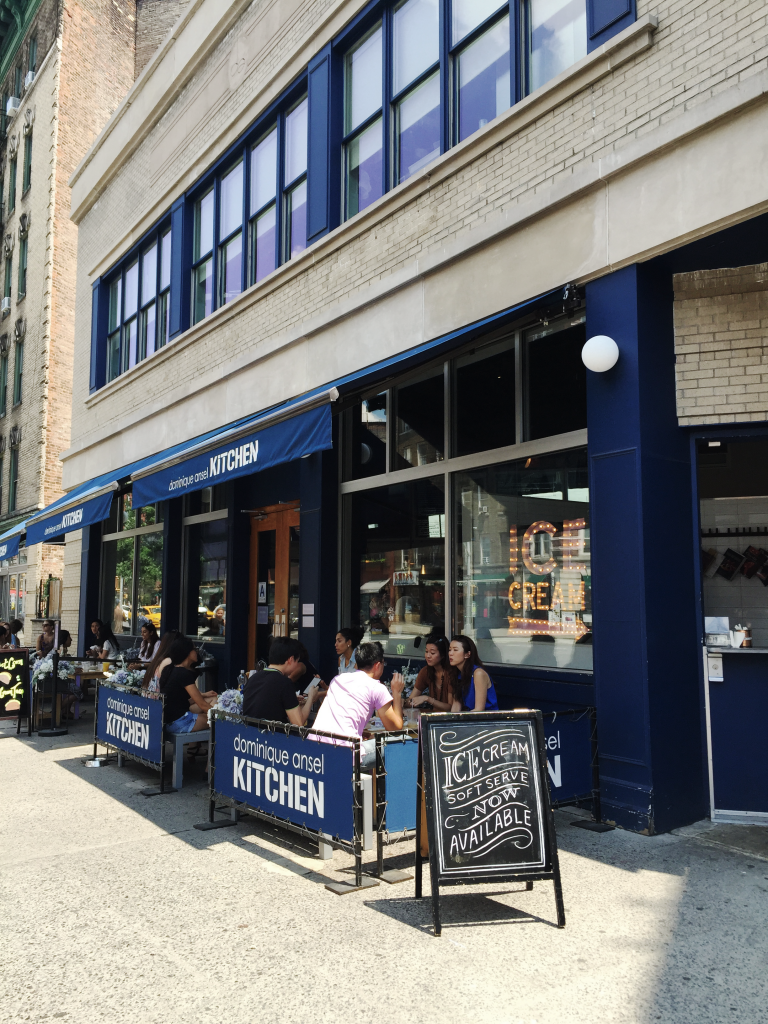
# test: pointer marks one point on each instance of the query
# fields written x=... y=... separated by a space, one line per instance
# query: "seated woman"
x=475 y=690
x=106 y=642
x=45 y=641
x=150 y=642
x=65 y=641
x=347 y=640
x=437 y=677
x=151 y=682
x=16 y=627
x=178 y=686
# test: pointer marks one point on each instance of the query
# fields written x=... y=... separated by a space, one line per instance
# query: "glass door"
x=274 y=578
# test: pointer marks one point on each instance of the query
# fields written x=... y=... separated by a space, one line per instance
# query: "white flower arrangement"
x=230 y=701
x=44 y=667
x=125 y=677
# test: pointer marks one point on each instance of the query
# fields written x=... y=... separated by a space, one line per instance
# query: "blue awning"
x=265 y=441
x=89 y=508
x=10 y=542
x=246 y=446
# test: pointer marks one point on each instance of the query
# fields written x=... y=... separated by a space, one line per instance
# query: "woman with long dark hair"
x=475 y=690
x=347 y=640
x=151 y=680
x=105 y=638
x=150 y=642
x=438 y=677
x=178 y=686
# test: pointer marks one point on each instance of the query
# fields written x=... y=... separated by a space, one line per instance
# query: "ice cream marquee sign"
x=563 y=596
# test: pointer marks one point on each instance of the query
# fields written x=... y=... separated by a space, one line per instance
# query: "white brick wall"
x=721 y=345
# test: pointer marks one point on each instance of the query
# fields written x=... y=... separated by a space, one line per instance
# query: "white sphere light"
x=600 y=353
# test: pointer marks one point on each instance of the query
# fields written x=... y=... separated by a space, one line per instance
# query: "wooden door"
x=274 y=578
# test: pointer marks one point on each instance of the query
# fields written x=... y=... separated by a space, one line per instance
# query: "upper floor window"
x=253 y=216
x=18 y=80
x=139 y=305
x=407 y=100
x=32 y=57
x=12 y=186
x=26 y=178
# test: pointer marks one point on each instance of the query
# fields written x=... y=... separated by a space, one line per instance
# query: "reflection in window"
x=202 y=273
x=418 y=128
x=207 y=579
x=117 y=585
x=150 y=578
x=295 y=182
x=416 y=41
x=263 y=209
x=558 y=37
x=483 y=79
x=488 y=371
x=553 y=355
x=523 y=577
x=366 y=438
x=398 y=562
x=468 y=14
x=420 y=420
x=231 y=235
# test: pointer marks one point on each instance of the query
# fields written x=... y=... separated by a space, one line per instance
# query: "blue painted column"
x=646 y=647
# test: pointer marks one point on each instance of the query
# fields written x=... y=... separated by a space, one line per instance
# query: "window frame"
x=121 y=357
x=13 y=478
x=449 y=54
x=32 y=54
x=22 y=271
x=26 y=172
x=452 y=464
x=8 y=277
x=135 y=533
x=12 y=170
x=274 y=118
x=4 y=383
x=188 y=522
x=18 y=372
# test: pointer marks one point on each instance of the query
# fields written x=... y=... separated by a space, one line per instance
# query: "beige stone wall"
x=721 y=345
x=520 y=207
x=70 y=597
x=154 y=20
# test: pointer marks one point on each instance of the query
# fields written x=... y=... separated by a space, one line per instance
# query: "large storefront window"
x=205 y=545
x=132 y=567
x=523 y=582
x=398 y=562
x=477 y=521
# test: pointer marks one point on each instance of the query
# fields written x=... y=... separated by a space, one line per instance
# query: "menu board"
x=489 y=816
x=14 y=683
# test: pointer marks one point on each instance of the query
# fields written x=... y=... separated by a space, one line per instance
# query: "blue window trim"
x=274 y=115
x=606 y=18
x=100 y=302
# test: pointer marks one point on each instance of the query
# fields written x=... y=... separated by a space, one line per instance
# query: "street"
x=115 y=908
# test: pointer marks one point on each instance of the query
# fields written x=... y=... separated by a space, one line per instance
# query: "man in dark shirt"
x=271 y=694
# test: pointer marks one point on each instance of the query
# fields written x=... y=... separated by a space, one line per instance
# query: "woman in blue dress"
x=475 y=690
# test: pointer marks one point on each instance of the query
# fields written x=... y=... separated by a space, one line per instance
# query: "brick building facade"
x=66 y=68
x=597 y=175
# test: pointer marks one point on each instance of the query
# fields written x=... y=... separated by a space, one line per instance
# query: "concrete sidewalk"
x=114 y=909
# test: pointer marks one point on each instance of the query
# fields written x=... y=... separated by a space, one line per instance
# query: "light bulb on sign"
x=600 y=353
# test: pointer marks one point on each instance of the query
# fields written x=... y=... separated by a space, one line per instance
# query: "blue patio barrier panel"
x=130 y=723
x=302 y=781
x=569 y=756
x=401 y=761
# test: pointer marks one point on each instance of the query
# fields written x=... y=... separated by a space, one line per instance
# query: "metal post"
x=211 y=798
x=381 y=803
x=419 y=798
x=358 y=818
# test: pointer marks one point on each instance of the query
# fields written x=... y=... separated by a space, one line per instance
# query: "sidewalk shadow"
x=457 y=910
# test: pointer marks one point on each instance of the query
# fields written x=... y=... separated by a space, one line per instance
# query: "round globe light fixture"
x=600 y=353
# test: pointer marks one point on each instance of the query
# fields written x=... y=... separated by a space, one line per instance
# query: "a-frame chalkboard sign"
x=489 y=816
